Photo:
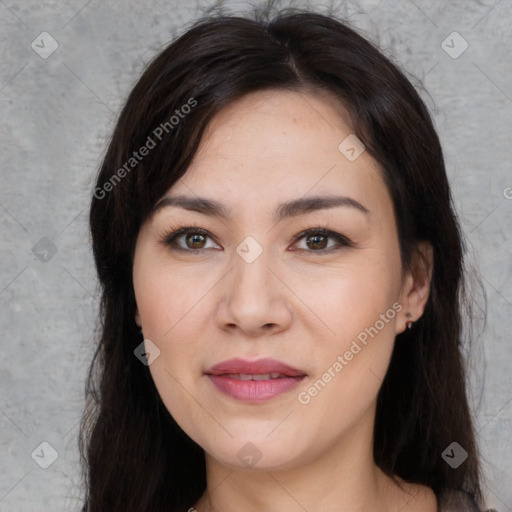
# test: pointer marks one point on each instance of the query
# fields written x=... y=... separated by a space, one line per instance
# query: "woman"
x=281 y=273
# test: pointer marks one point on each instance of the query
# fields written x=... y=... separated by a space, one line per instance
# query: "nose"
x=254 y=300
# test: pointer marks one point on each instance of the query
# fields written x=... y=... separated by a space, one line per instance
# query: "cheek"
x=177 y=390
x=167 y=296
x=353 y=361
x=174 y=322
x=347 y=301
x=357 y=311
x=172 y=308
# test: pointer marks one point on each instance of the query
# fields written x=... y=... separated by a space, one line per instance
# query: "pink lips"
x=254 y=380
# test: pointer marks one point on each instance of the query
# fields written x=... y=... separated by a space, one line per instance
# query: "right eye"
x=193 y=238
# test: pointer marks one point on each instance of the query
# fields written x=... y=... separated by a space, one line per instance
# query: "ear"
x=137 y=317
x=416 y=287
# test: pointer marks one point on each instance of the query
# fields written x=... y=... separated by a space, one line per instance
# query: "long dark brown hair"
x=134 y=456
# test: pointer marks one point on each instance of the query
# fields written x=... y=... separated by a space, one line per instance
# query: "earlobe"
x=405 y=318
x=409 y=321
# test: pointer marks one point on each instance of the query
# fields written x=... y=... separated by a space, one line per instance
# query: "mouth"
x=272 y=368
x=254 y=381
x=256 y=376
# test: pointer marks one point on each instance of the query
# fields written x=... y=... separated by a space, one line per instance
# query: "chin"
x=256 y=453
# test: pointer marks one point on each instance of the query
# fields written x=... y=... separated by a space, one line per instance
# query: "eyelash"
x=169 y=238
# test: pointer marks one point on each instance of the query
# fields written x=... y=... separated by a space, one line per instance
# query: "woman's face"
x=250 y=285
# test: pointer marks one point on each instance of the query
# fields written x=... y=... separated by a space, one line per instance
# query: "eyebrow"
x=290 y=208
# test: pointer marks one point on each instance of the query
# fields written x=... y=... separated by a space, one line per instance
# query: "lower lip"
x=254 y=390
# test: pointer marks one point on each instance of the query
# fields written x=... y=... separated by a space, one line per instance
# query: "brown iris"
x=197 y=239
x=322 y=244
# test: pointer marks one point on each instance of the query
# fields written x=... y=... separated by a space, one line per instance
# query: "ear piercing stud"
x=409 y=323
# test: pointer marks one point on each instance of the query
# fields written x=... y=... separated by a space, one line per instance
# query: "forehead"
x=281 y=144
x=280 y=122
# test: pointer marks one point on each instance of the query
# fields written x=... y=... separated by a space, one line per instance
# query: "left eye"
x=317 y=240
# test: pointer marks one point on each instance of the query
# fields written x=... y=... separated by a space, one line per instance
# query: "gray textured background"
x=56 y=115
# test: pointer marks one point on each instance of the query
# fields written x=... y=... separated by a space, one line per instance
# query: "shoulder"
x=458 y=501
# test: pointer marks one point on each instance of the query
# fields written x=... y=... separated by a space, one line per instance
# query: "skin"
x=293 y=303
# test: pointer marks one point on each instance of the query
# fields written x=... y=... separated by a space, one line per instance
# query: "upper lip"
x=258 y=367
